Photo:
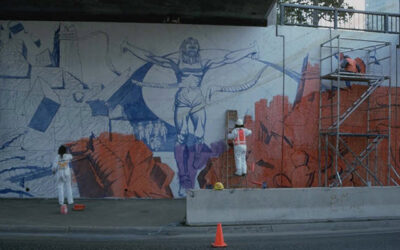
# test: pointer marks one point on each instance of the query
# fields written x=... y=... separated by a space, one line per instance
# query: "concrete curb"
x=179 y=230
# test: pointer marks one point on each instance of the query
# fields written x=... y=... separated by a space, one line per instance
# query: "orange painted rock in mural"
x=115 y=165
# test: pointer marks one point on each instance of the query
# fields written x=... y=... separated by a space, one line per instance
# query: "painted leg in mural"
x=181 y=157
x=181 y=150
x=198 y=119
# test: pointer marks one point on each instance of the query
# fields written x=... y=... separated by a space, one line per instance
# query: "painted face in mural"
x=189 y=51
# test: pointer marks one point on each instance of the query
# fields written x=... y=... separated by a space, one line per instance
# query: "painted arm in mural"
x=233 y=57
x=236 y=88
x=156 y=84
x=147 y=56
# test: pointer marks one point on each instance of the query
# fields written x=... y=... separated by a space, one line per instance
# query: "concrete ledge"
x=259 y=206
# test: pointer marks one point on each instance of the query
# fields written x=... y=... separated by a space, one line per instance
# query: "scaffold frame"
x=333 y=139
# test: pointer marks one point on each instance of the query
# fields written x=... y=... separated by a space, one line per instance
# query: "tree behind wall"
x=312 y=16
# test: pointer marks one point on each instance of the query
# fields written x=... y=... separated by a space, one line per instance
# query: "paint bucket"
x=64 y=209
x=78 y=207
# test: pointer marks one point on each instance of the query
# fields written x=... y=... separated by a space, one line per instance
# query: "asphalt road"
x=380 y=240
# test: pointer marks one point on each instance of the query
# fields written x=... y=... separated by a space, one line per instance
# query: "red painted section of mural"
x=115 y=165
x=286 y=154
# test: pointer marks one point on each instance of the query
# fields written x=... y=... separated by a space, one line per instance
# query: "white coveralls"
x=240 y=148
x=63 y=177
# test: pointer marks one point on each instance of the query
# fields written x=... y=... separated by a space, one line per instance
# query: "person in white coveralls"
x=238 y=135
x=62 y=172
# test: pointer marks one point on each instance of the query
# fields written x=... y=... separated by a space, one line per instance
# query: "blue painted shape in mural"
x=9 y=190
x=291 y=73
x=130 y=97
x=12 y=158
x=8 y=143
x=22 y=182
x=24 y=51
x=44 y=114
x=19 y=168
x=99 y=108
x=16 y=28
x=32 y=175
x=301 y=83
x=84 y=85
x=55 y=54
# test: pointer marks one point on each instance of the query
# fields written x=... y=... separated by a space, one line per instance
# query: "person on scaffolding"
x=238 y=135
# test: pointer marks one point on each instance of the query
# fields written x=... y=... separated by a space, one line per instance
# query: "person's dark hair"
x=62 y=150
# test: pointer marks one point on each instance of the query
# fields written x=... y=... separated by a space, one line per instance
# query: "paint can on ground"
x=64 y=209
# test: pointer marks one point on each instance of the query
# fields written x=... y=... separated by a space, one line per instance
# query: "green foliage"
x=312 y=16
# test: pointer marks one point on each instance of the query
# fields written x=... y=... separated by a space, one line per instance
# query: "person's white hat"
x=239 y=122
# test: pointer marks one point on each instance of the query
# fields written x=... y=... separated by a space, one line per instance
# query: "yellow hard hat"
x=218 y=186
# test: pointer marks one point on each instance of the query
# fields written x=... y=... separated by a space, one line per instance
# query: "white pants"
x=63 y=178
x=240 y=159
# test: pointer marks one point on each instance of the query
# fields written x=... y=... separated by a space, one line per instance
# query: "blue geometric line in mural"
x=84 y=85
x=8 y=143
x=291 y=73
x=301 y=84
x=44 y=114
x=9 y=190
x=32 y=168
x=55 y=54
x=32 y=175
x=12 y=158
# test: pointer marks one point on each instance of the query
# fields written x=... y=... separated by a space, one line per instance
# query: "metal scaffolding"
x=352 y=132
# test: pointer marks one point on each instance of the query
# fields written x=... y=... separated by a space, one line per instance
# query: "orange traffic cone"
x=219 y=238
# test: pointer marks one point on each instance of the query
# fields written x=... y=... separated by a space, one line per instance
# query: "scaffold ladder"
x=358 y=102
x=231 y=118
x=358 y=161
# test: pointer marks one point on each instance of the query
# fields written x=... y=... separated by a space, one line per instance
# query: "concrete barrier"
x=254 y=206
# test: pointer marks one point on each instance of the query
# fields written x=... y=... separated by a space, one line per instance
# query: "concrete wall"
x=208 y=207
x=118 y=95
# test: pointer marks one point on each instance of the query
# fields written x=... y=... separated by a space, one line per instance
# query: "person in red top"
x=238 y=135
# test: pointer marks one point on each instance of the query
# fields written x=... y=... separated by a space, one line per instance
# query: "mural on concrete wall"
x=143 y=113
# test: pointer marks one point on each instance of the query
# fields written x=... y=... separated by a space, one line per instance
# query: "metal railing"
x=338 y=18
